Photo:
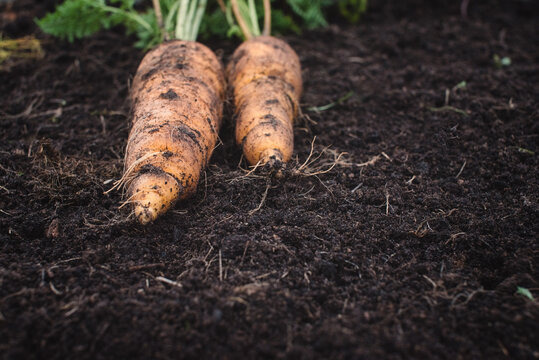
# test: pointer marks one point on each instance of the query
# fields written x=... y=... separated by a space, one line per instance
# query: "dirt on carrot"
x=265 y=80
x=177 y=94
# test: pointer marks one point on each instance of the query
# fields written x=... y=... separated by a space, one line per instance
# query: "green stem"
x=170 y=16
x=229 y=15
x=254 y=18
x=189 y=20
x=132 y=16
x=198 y=19
x=182 y=12
x=241 y=21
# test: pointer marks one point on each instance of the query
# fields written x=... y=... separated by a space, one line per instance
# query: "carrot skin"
x=177 y=98
x=264 y=75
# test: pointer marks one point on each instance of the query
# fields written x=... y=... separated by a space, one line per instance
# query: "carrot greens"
x=168 y=19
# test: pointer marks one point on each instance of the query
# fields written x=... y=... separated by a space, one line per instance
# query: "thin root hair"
x=129 y=175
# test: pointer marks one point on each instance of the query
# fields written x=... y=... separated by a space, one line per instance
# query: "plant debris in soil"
x=420 y=242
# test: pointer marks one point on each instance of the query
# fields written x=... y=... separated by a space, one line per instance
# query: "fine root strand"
x=129 y=175
x=307 y=169
x=264 y=196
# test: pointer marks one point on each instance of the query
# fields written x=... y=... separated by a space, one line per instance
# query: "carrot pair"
x=177 y=95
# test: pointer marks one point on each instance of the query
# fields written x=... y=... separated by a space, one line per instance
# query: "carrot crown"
x=187 y=15
x=246 y=16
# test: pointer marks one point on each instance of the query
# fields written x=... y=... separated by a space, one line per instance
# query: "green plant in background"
x=281 y=19
x=75 y=19
x=352 y=9
x=310 y=11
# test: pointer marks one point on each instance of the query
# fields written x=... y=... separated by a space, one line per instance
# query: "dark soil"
x=412 y=246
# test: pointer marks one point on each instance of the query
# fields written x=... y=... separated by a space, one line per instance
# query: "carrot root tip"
x=272 y=159
x=152 y=195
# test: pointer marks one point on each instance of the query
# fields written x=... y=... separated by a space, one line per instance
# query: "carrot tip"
x=152 y=194
x=271 y=158
x=144 y=214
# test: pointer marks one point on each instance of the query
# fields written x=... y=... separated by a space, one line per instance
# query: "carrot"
x=177 y=98
x=264 y=75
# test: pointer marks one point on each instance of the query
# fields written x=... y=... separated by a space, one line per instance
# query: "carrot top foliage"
x=167 y=19
x=286 y=15
x=185 y=19
x=75 y=19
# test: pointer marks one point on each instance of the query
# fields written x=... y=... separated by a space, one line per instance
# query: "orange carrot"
x=265 y=77
x=177 y=97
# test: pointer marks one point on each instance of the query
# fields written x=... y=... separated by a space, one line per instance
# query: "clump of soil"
x=414 y=245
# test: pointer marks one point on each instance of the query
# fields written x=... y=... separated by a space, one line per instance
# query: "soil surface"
x=412 y=244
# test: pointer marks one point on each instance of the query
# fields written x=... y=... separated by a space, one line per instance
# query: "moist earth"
x=404 y=227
